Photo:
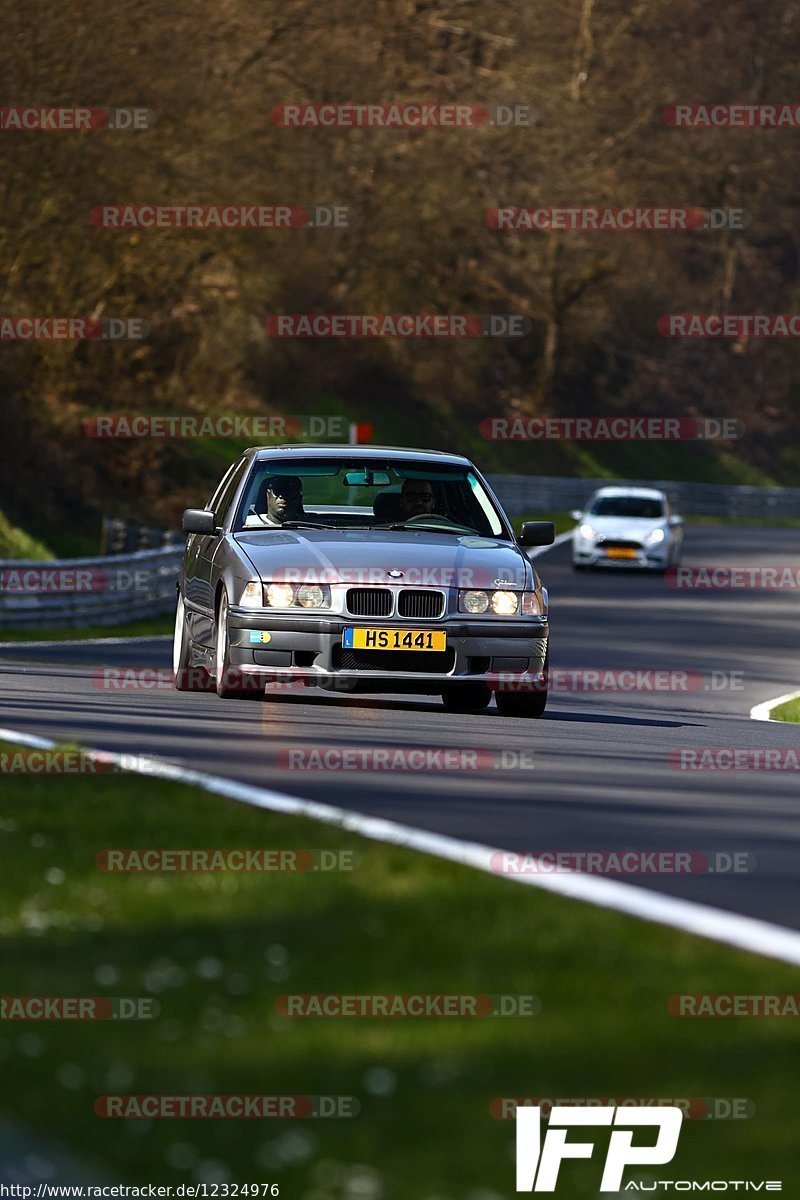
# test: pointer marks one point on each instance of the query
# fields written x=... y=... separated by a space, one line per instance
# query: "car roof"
x=339 y=449
x=644 y=493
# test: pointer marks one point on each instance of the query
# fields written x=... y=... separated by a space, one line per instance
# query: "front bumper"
x=584 y=555
x=310 y=648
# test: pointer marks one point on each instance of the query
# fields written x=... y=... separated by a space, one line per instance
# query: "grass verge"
x=152 y=627
x=218 y=949
x=787 y=712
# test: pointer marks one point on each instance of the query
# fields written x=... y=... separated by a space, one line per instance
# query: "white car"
x=627 y=527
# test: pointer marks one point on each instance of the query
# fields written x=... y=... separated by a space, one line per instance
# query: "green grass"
x=787 y=712
x=152 y=627
x=217 y=951
x=15 y=543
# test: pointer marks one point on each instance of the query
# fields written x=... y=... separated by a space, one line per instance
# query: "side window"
x=220 y=502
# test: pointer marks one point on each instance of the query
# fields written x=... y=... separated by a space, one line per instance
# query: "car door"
x=199 y=580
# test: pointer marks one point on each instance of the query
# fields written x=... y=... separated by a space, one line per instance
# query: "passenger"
x=416 y=498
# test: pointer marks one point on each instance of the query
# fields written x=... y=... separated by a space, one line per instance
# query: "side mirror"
x=199 y=520
x=676 y=520
x=537 y=533
x=576 y=514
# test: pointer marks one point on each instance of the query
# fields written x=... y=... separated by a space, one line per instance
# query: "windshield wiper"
x=303 y=525
x=430 y=525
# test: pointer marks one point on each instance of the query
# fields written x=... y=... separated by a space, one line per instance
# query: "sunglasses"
x=286 y=489
x=418 y=495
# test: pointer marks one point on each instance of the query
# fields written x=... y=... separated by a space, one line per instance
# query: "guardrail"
x=80 y=592
x=552 y=493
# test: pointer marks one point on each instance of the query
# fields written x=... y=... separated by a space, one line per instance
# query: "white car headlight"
x=501 y=603
x=311 y=595
x=505 y=604
x=473 y=602
x=587 y=532
x=253 y=595
x=280 y=595
x=655 y=537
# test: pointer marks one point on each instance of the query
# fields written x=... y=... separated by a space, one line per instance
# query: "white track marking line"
x=743 y=933
x=760 y=712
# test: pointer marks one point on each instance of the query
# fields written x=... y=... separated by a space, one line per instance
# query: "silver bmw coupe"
x=362 y=569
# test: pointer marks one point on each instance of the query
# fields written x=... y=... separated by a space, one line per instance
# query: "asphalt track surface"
x=600 y=776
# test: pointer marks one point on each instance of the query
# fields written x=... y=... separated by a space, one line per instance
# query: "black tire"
x=525 y=704
x=466 y=697
x=229 y=681
x=187 y=678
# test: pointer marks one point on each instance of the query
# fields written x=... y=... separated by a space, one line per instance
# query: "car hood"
x=367 y=557
x=627 y=528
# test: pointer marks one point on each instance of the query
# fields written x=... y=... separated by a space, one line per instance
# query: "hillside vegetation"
x=598 y=76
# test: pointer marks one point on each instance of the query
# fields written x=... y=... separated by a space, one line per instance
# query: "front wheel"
x=187 y=678
x=466 y=697
x=230 y=682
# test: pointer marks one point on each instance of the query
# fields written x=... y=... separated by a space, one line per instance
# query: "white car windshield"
x=627 y=506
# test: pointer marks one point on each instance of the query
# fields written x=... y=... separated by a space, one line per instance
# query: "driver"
x=416 y=498
x=284 y=496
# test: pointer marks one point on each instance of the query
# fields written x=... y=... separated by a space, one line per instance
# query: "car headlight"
x=280 y=595
x=311 y=595
x=308 y=595
x=505 y=604
x=473 y=602
x=253 y=595
x=501 y=603
x=587 y=532
x=655 y=537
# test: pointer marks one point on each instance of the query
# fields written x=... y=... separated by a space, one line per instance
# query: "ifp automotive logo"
x=538 y=1163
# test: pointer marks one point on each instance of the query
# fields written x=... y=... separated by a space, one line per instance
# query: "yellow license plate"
x=620 y=552
x=394 y=639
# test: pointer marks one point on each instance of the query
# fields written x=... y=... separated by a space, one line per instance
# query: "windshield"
x=342 y=492
x=627 y=506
